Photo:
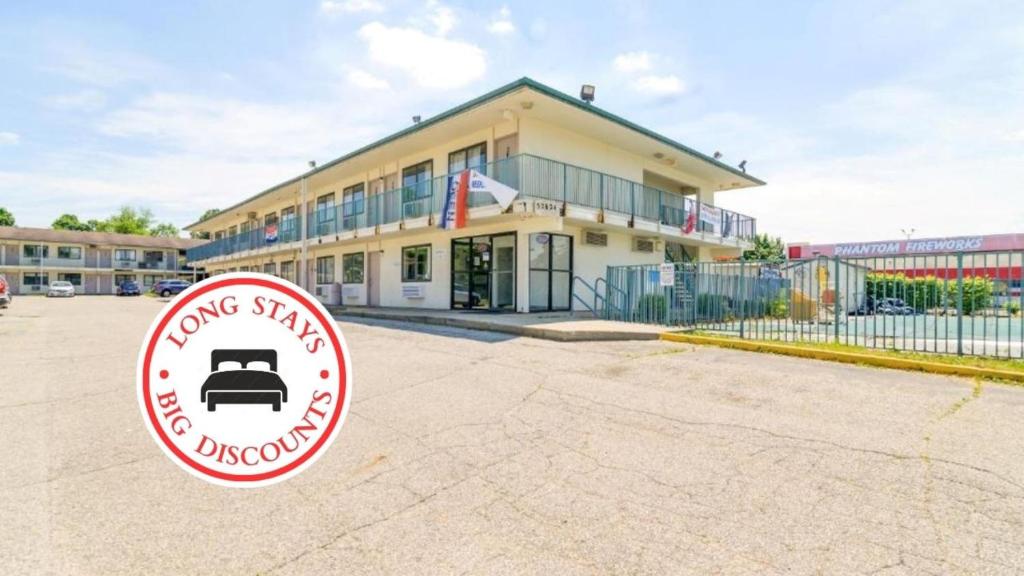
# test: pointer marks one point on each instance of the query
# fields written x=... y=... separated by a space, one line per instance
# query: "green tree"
x=766 y=249
x=97 y=225
x=70 y=222
x=164 y=229
x=208 y=214
x=129 y=220
x=6 y=218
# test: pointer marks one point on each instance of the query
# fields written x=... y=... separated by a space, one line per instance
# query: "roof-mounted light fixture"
x=416 y=119
x=743 y=166
x=718 y=155
x=587 y=93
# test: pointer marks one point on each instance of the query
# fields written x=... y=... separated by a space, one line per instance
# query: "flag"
x=502 y=193
x=270 y=231
x=453 y=212
x=691 y=223
x=711 y=217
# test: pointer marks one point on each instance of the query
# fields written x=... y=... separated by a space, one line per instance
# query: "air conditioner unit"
x=413 y=291
x=329 y=294
x=648 y=245
x=349 y=292
x=595 y=238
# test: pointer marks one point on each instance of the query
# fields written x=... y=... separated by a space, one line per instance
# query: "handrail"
x=593 y=309
x=533 y=176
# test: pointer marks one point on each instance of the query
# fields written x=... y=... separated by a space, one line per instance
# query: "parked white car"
x=61 y=288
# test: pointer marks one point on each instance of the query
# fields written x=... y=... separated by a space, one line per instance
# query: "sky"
x=866 y=118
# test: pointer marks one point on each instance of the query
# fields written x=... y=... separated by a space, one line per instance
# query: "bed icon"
x=243 y=377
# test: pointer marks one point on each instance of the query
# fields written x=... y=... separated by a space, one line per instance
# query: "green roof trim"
x=523 y=82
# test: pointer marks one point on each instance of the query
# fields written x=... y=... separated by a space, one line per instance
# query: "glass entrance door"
x=483 y=272
x=550 y=272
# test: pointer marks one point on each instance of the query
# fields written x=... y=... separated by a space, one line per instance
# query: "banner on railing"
x=456 y=197
x=271 y=233
x=453 y=211
x=711 y=217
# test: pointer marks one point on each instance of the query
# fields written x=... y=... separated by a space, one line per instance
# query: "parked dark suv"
x=166 y=288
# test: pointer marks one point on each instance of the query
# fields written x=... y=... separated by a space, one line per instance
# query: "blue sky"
x=864 y=117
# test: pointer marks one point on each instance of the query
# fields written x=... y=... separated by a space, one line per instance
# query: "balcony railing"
x=534 y=177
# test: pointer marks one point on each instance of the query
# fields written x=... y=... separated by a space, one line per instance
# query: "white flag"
x=503 y=194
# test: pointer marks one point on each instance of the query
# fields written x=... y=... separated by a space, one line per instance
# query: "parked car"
x=61 y=289
x=894 y=307
x=862 y=310
x=5 y=293
x=129 y=288
x=166 y=288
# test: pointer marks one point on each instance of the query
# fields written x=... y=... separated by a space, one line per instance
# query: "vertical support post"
x=835 y=301
x=960 y=304
x=303 y=254
x=743 y=298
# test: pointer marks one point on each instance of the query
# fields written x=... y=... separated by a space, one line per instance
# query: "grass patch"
x=1015 y=366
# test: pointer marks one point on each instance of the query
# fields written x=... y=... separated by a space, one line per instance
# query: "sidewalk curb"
x=849 y=357
x=515 y=330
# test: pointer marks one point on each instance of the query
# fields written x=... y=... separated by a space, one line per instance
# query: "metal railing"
x=533 y=176
x=955 y=303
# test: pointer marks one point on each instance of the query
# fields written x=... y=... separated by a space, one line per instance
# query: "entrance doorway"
x=373 y=279
x=484 y=272
x=550 y=272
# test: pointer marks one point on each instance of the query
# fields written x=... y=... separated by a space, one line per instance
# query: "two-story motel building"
x=594 y=190
x=94 y=262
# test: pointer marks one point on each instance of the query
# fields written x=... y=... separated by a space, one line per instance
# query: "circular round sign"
x=244 y=380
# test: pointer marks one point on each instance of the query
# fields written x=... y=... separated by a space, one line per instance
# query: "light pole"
x=908 y=232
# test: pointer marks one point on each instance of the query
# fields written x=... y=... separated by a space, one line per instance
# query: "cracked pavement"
x=475 y=453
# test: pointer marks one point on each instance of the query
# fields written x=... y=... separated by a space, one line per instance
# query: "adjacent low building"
x=593 y=189
x=94 y=262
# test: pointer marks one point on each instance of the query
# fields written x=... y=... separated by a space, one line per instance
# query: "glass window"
x=243 y=268
x=325 y=270
x=288 y=231
x=416 y=181
x=270 y=268
x=352 y=200
x=124 y=254
x=325 y=213
x=37 y=279
x=73 y=277
x=149 y=280
x=69 y=252
x=288 y=271
x=270 y=218
x=153 y=256
x=473 y=157
x=416 y=264
x=35 y=251
x=550 y=272
x=352 y=268
x=122 y=278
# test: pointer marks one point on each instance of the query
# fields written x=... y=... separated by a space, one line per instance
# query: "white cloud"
x=630 y=62
x=431 y=61
x=367 y=81
x=502 y=25
x=94 y=67
x=442 y=17
x=350 y=6
x=9 y=138
x=87 y=100
x=668 y=85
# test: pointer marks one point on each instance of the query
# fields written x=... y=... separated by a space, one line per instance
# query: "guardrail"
x=955 y=303
x=533 y=176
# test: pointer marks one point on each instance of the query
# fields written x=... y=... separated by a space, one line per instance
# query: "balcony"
x=534 y=177
x=52 y=262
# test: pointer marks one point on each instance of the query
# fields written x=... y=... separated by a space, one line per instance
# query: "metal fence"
x=957 y=303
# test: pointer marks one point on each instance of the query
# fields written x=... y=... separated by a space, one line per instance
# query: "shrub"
x=652 y=306
x=924 y=292
x=1012 y=307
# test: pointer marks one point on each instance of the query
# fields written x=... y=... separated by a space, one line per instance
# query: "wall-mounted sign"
x=667 y=274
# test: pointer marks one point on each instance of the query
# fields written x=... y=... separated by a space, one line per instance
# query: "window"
x=473 y=157
x=149 y=279
x=325 y=214
x=352 y=268
x=122 y=278
x=270 y=218
x=123 y=254
x=416 y=264
x=35 y=251
x=36 y=279
x=288 y=271
x=550 y=272
x=73 y=277
x=155 y=256
x=243 y=268
x=69 y=252
x=270 y=268
x=353 y=201
x=288 y=229
x=416 y=181
x=325 y=270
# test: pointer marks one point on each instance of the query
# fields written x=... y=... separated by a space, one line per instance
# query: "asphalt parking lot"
x=467 y=452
